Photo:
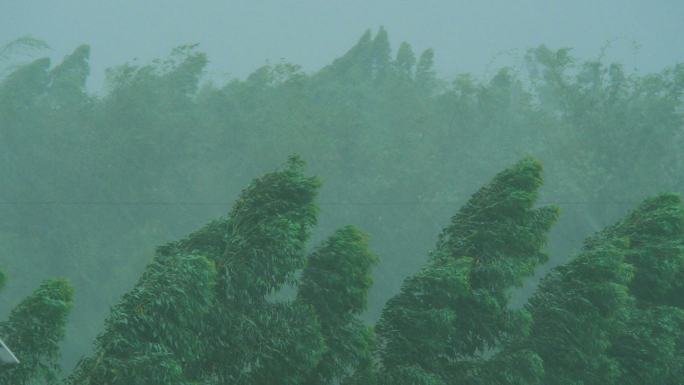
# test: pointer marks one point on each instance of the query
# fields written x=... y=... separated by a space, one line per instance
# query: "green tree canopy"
x=33 y=331
x=455 y=308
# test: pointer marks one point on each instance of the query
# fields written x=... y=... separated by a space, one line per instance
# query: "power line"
x=126 y=203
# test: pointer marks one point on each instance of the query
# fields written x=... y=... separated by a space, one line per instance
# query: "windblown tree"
x=650 y=349
x=257 y=249
x=335 y=283
x=33 y=331
x=455 y=308
x=200 y=313
x=21 y=46
x=184 y=322
x=153 y=331
x=606 y=316
x=379 y=127
x=577 y=310
x=609 y=314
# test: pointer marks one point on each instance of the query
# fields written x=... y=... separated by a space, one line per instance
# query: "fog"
x=240 y=35
x=152 y=117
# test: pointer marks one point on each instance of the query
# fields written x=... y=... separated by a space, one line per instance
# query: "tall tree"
x=257 y=249
x=335 y=283
x=21 y=46
x=455 y=308
x=577 y=310
x=425 y=73
x=153 y=331
x=380 y=54
x=405 y=59
x=649 y=350
x=33 y=331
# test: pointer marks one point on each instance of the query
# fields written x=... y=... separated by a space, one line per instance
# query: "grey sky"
x=240 y=35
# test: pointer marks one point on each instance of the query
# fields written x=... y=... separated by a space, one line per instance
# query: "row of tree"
x=612 y=314
x=91 y=182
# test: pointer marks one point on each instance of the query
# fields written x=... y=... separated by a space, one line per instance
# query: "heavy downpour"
x=358 y=192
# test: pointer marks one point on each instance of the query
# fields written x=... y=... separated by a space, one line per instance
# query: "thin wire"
x=105 y=203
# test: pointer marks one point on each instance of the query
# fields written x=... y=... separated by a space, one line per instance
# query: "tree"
x=649 y=350
x=380 y=54
x=413 y=153
x=33 y=331
x=153 y=331
x=21 y=46
x=257 y=249
x=607 y=316
x=335 y=283
x=406 y=59
x=455 y=308
x=578 y=308
x=425 y=74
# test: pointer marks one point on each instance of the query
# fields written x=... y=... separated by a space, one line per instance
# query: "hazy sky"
x=240 y=35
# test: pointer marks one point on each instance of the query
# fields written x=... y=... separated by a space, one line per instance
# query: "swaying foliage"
x=152 y=333
x=381 y=129
x=21 y=46
x=577 y=310
x=257 y=249
x=199 y=314
x=655 y=230
x=456 y=307
x=609 y=315
x=650 y=348
x=33 y=331
x=335 y=283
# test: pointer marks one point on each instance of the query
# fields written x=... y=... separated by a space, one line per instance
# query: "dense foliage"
x=33 y=332
x=153 y=331
x=335 y=283
x=456 y=307
x=91 y=182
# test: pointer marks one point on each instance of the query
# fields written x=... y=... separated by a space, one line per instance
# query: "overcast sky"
x=239 y=36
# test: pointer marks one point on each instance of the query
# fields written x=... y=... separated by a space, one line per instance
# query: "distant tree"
x=380 y=54
x=368 y=62
x=354 y=66
x=425 y=73
x=405 y=59
x=68 y=79
x=21 y=46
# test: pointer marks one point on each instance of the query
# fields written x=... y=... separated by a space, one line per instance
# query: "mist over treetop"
x=94 y=181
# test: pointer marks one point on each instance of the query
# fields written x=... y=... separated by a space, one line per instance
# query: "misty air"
x=371 y=192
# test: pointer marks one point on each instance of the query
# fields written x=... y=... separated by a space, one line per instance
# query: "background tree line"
x=93 y=182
